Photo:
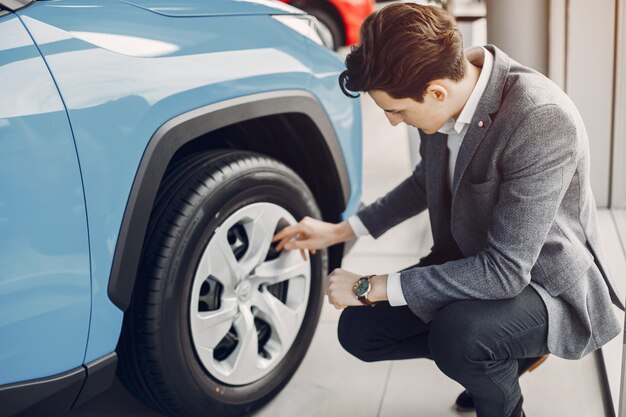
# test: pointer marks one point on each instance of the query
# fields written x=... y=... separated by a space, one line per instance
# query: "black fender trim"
x=182 y=129
x=57 y=394
x=100 y=376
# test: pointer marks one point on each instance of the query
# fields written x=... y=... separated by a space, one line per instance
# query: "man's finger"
x=303 y=253
x=297 y=244
x=287 y=231
x=280 y=245
x=282 y=232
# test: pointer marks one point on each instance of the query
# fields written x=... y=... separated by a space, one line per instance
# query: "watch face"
x=361 y=287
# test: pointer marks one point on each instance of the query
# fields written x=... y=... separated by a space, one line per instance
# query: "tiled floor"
x=331 y=383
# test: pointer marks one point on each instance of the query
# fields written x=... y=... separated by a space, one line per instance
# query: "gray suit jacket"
x=521 y=212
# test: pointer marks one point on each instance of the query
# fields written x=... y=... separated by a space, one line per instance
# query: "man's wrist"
x=343 y=232
x=378 y=291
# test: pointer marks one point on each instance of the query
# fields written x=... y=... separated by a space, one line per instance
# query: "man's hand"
x=312 y=234
x=340 y=288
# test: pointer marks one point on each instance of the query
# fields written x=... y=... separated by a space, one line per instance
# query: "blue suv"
x=149 y=150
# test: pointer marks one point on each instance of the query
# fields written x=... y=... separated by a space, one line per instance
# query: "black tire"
x=158 y=362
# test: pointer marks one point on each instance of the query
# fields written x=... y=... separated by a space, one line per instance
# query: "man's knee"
x=353 y=333
x=454 y=339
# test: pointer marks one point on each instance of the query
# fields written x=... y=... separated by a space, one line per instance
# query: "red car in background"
x=341 y=19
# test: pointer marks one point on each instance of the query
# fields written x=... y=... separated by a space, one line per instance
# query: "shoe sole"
x=463 y=409
x=537 y=363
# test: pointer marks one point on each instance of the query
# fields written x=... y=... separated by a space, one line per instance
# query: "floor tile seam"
x=384 y=394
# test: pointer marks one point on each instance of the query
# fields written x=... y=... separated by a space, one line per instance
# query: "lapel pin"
x=481 y=123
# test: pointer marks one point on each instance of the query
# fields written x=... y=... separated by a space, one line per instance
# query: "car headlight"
x=306 y=25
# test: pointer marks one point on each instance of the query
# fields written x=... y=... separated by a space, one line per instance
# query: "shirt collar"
x=476 y=55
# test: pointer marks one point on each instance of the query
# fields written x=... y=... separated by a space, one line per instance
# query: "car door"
x=45 y=293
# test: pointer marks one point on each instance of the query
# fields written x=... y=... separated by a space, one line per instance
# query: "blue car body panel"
x=185 y=8
x=345 y=114
x=124 y=70
x=45 y=294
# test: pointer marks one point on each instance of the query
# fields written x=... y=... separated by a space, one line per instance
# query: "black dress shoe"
x=465 y=401
x=517 y=411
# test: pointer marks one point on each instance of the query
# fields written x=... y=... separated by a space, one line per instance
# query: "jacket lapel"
x=481 y=121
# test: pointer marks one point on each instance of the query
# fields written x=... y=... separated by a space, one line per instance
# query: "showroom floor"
x=331 y=383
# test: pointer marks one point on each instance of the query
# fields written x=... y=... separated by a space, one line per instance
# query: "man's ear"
x=438 y=91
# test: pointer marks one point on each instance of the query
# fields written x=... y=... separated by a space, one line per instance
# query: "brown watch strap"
x=363 y=299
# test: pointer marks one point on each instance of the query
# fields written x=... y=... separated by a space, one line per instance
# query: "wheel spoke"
x=284 y=321
x=219 y=260
x=211 y=327
x=244 y=360
x=260 y=232
x=288 y=265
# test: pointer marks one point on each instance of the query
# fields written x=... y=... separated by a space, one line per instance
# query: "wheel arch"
x=282 y=116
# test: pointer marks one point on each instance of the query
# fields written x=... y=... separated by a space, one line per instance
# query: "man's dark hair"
x=404 y=46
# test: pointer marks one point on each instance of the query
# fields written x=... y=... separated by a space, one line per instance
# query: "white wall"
x=520 y=28
x=573 y=42
x=589 y=82
x=618 y=195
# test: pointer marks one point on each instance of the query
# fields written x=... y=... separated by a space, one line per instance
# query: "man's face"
x=429 y=115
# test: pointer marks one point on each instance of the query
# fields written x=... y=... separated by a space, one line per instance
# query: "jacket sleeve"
x=536 y=167
x=404 y=201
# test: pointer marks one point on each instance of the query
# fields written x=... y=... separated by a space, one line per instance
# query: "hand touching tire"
x=312 y=234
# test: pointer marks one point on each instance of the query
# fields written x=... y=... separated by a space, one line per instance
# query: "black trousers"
x=475 y=342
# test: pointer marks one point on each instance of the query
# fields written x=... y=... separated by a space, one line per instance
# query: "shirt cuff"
x=357 y=226
x=394 y=290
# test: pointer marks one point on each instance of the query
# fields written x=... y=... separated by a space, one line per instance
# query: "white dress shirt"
x=455 y=129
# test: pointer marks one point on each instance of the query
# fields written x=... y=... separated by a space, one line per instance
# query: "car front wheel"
x=219 y=321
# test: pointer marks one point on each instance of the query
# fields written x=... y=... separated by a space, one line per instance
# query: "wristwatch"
x=362 y=288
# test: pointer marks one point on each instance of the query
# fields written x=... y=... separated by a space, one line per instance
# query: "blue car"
x=149 y=150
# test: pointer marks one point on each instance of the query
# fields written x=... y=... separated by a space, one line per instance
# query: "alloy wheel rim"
x=247 y=302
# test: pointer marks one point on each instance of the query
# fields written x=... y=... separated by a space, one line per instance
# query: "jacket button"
x=481 y=123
